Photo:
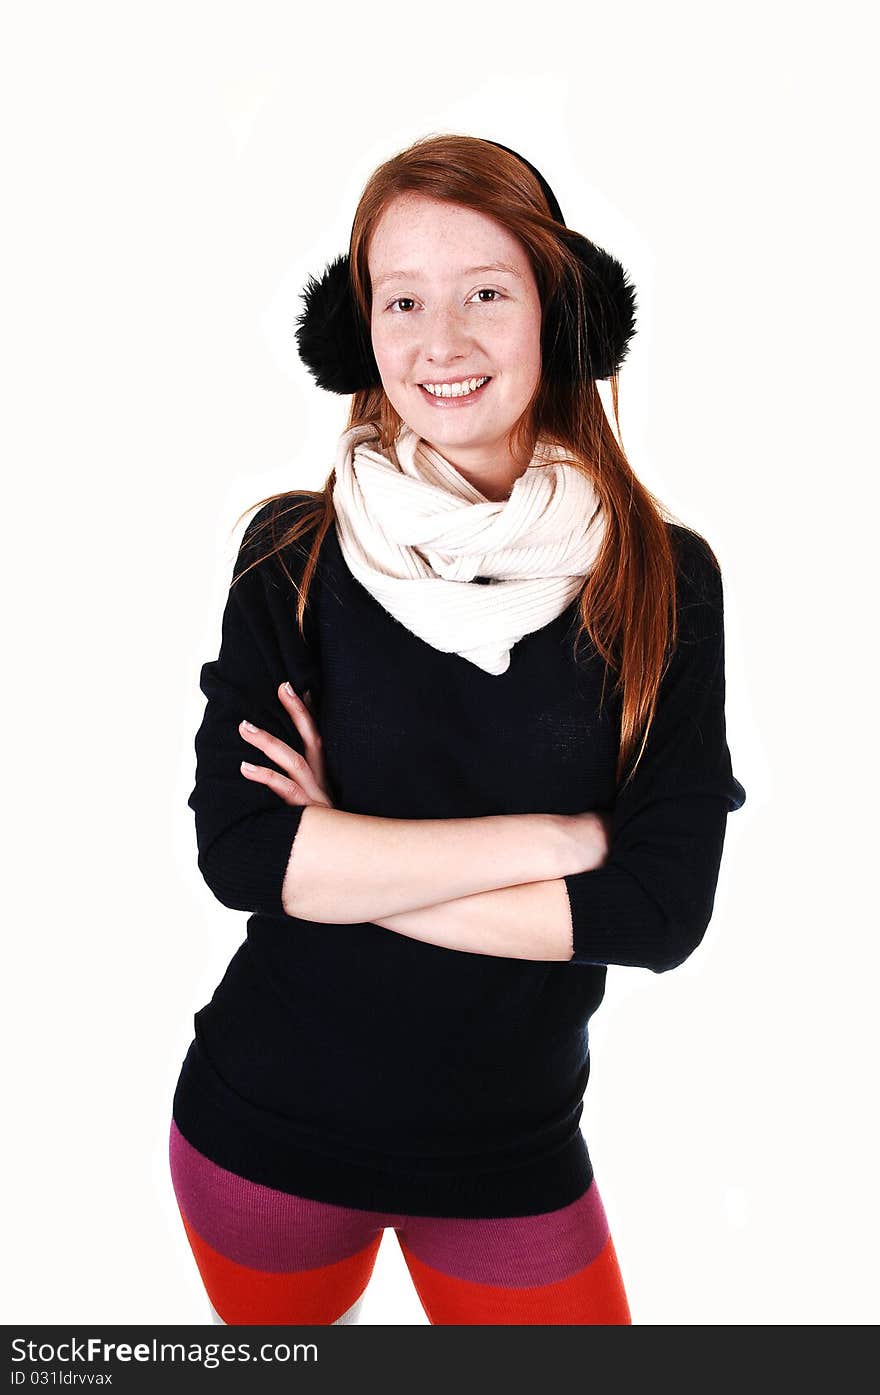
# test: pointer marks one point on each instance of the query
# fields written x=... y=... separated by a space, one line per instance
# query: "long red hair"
x=627 y=604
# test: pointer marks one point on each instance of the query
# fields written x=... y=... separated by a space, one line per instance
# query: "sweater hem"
x=238 y=1136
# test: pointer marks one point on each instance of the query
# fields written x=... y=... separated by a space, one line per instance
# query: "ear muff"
x=335 y=345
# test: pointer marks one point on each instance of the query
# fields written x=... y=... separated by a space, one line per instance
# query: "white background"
x=172 y=174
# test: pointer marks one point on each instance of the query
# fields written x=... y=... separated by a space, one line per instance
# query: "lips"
x=457 y=397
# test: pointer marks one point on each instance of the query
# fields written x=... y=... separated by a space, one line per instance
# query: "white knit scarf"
x=415 y=533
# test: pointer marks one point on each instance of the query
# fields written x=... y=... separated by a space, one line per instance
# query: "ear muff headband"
x=335 y=345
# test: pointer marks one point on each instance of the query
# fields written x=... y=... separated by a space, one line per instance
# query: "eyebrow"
x=468 y=271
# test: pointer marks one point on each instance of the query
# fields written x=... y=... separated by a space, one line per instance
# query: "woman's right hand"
x=306 y=779
x=586 y=841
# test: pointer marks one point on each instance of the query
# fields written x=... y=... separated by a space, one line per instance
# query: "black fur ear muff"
x=336 y=347
x=330 y=336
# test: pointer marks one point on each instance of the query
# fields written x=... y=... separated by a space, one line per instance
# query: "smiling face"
x=443 y=312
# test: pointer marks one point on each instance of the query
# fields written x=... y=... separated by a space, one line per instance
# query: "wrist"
x=561 y=848
x=581 y=843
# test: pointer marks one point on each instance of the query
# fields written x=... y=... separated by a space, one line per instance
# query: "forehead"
x=415 y=233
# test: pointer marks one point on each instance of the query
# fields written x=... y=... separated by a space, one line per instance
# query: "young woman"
x=464 y=747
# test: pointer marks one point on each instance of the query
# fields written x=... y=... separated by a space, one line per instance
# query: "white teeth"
x=454 y=389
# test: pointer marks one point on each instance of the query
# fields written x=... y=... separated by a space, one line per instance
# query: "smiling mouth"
x=447 y=392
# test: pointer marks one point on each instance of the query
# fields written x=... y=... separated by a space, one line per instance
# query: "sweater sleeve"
x=244 y=831
x=650 y=903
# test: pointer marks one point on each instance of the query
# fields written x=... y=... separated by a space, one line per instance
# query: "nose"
x=445 y=335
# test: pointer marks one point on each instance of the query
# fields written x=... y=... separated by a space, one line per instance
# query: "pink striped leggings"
x=268 y=1256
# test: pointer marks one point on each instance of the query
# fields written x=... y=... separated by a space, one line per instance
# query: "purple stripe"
x=276 y=1231
x=515 y=1251
x=259 y=1226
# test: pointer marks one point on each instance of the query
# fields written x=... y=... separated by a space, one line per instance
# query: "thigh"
x=269 y=1256
x=557 y=1267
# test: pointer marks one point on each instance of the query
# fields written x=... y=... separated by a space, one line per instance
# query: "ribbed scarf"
x=415 y=533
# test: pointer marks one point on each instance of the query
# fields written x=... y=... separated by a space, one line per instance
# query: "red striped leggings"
x=268 y=1256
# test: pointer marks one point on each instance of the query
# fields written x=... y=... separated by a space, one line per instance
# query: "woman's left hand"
x=306 y=779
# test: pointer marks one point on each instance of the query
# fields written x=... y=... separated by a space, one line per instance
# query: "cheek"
x=531 y=359
x=389 y=351
x=521 y=345
x=534 y=362
x=521 y=366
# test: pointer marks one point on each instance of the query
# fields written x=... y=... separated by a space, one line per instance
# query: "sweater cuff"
x=615 y=921
x=245 y=866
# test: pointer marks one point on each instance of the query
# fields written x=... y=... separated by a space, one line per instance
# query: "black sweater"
x=354 y=1064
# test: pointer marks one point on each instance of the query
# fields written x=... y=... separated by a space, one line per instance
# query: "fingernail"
x=290 y=690
x=250 y=726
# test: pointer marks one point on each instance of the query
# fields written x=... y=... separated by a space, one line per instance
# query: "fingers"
x=286 y=789
x=300 y=710
x=305 y=779
x=303 y=718
x=298 y=783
